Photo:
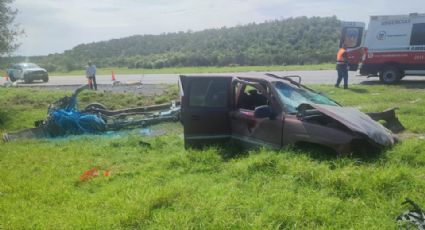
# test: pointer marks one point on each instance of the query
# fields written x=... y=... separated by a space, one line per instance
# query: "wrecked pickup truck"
x=275 y=111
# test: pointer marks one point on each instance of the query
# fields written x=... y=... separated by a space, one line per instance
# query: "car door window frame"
x=204 y=101
x=263 y=92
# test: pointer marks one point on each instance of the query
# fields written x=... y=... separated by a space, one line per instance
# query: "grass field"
x=188 y=70
x=164 y=186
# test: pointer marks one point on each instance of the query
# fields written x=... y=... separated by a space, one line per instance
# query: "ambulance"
x=392 y=47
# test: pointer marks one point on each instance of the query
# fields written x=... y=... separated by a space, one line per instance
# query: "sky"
x=53 y=26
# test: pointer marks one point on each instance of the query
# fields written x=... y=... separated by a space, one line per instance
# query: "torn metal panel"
x=358 y=122
x=391 y=121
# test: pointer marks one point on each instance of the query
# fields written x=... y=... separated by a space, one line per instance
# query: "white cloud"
x=54 y=26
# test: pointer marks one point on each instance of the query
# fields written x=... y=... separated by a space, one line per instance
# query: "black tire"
x=46 y=79
x=12 y=78
x=92 y=106
x=390 y=75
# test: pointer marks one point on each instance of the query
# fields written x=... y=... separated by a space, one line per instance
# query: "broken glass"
x=292 y=96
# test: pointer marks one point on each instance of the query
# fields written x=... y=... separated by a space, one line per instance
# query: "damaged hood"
x=358 y=122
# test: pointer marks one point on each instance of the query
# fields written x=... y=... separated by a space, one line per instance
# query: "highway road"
x=308 y=77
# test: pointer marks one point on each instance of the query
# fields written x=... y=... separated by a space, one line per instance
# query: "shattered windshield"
x=293 y=96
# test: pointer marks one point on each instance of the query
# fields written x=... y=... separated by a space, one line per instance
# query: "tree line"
x=292 y=41
x=8 y=30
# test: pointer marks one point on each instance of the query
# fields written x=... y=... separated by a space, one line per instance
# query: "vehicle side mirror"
x=263 y=111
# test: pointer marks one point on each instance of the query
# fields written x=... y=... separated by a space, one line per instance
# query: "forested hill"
x=299 y=40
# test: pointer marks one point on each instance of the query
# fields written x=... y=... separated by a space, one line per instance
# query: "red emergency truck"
x=391 y=48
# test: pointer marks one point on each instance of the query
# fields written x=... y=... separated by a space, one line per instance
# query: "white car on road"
x=27 y=72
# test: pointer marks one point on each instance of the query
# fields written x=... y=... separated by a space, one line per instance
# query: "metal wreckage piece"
x=414 y=217
x=64 y=119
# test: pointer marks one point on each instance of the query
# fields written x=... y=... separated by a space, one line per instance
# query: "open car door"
x=205 y=103
x=256 y=120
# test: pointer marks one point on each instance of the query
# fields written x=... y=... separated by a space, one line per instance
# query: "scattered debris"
x=64 y=119
x=115 y=83
x=107 y=173
x=89 y=174
x=144 y=144
x=415 y=216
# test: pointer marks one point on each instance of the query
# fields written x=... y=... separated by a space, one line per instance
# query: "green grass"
x=189 y=70
x=165 y=186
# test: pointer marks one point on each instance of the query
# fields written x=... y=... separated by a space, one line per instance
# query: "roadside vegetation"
x=10 y=30
x=200 y=69
x=161 y=185
x=291 y=41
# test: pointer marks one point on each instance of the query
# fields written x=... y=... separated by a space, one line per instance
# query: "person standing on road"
x=10 y=74
x=342 y=66
x=91 y=75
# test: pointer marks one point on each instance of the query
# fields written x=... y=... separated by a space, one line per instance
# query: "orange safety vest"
x=340 y=55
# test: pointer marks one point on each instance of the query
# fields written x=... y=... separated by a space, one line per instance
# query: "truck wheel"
x=45 y=79
x=390 y=75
